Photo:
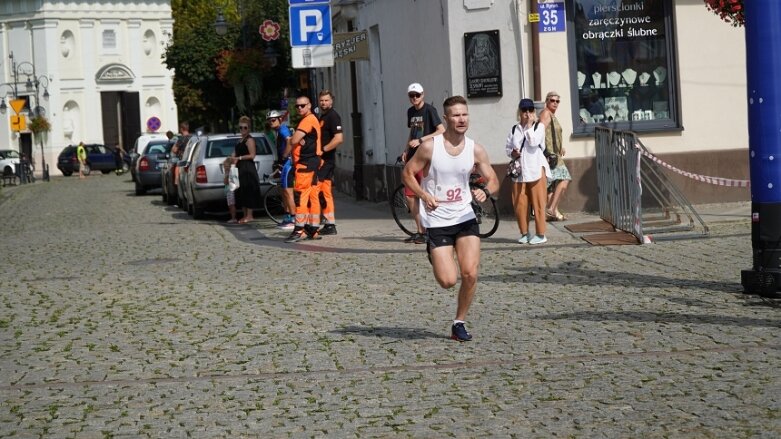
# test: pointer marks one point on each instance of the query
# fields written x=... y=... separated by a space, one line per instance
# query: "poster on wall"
x=483 y=64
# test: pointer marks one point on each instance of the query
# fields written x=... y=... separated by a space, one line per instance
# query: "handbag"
x=514 y=168
x=553 y=159
x=233 y=178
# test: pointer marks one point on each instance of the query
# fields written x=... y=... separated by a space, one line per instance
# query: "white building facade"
x=98 y=69
x=686 y=68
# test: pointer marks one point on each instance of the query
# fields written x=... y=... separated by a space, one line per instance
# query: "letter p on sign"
x=310 y=25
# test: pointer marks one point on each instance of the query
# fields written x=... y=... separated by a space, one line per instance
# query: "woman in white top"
x=527 y=141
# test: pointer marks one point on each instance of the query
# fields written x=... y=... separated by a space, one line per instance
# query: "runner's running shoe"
x=458 y=332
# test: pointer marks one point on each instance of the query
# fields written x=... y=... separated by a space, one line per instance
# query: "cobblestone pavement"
x=122 y=317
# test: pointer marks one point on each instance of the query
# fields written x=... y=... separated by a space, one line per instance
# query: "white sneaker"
x=524 y=239
x=538 y=239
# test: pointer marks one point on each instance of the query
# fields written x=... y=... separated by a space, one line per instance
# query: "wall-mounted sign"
x=351 y=46
x=483 y=64
x=551 y=17
x=153 y=124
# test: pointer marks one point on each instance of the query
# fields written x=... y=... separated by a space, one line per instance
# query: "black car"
x=99 y=158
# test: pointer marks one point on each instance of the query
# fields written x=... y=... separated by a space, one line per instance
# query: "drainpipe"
x=536 y=86
x=357 y=121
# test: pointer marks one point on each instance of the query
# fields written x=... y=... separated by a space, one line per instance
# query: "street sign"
x=18 y=123
x=552 y=18
x=153 y=124
x=17 y=104
x=310 y=25
x=311 y=57
x=306 y=2
x=351 y=46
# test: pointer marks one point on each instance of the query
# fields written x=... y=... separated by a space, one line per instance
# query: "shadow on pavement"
x=662 y=317
x=388 y=332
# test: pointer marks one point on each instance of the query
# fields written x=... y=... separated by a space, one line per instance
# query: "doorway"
x=121 y=118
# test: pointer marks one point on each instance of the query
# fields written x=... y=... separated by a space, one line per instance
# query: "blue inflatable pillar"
x=763 y=71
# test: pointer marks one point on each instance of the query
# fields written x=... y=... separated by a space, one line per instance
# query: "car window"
x=158 y=148
x=220 y=148
x=101 y=149
x=262 y=146
x=11 y=154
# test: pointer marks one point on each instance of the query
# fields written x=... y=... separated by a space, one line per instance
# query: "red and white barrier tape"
x=703 y=178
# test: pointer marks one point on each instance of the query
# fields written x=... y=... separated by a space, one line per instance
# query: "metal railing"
x=623 y=173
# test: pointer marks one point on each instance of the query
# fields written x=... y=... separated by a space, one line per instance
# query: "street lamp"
x=220 y=25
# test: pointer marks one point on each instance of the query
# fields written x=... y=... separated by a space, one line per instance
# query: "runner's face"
x=326 y=103
x=457 y=118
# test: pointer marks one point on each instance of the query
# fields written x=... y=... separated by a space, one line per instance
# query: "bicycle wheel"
x=401 y=213
x=487 y=217
x=272 y=202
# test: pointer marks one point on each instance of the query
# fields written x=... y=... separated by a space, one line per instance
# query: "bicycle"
x=272 y=199
x=486 y=212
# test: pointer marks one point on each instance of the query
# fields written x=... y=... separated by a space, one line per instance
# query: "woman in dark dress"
x=248 y=192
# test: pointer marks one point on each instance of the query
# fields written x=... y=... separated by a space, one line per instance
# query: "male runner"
x=445 y=204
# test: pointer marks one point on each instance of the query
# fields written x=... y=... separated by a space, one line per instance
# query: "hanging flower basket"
x=39 y=125
x=731 y=11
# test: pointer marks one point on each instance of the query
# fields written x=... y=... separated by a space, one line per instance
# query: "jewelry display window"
x=622 y=64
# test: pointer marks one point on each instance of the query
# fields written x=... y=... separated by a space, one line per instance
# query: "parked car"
x=148 y=163
x=184 y=168
x=138 y=148
x=167 y=172
x=9 y=159
x=204 y=188
x=99 y=158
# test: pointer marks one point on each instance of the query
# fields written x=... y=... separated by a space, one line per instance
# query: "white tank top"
x=448 y=181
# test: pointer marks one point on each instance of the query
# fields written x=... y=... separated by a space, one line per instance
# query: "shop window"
x=622 y=63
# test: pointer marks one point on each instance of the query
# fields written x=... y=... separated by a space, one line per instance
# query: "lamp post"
x=33 y=83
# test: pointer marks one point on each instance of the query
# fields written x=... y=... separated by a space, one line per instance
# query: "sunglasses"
x=527 y=110
x=414 y=95
x=243 y=127
x=301 y=105
x=555 y=101
x=272 y=119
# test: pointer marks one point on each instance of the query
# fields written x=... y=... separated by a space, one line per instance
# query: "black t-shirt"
x=421 y=123
x=330 y=125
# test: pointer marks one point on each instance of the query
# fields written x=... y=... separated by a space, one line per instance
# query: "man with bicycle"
x=424 y=123
x=445 y=201
x=285 y=166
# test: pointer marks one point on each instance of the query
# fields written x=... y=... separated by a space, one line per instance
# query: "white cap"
x=415 y=87
x=274 y=113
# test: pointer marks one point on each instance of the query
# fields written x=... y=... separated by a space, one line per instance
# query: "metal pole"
x=763 y=68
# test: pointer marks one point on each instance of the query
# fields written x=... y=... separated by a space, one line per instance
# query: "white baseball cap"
x=415 y=88
x=274 y=113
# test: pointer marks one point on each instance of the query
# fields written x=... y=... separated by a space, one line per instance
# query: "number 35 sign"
x=552 y=18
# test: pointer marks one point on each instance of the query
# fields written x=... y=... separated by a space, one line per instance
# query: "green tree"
x=209 y=66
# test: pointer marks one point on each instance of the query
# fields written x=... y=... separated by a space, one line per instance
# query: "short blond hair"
x=552 y=94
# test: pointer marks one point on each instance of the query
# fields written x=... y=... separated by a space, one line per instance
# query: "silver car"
x=184 y=167
x=205 y=181
x=149 y=162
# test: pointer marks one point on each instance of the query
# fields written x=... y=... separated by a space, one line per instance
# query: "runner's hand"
x=479 y=195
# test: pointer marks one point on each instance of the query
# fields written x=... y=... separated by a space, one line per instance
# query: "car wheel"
x=165 y=197
x=86 y=169
x=189 y=208
x=125 y=167
x=140 y=190
x=105 y=171
x=67 y=173
x=197 y=211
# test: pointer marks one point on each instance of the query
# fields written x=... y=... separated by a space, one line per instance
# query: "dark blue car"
x=99 y=158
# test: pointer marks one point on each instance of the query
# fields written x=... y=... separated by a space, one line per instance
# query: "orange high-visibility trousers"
x=328 y=210
x=307 y=197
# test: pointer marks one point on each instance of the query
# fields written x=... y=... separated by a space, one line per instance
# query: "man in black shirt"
x=424 y=123
x=330 y=138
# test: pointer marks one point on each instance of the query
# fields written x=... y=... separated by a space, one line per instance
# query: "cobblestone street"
x=123 y=317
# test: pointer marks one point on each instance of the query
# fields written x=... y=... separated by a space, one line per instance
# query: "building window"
x=623 y=65
x=109 y=39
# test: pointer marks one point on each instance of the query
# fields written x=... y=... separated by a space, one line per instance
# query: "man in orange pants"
x=330 y=137
x=306 y=161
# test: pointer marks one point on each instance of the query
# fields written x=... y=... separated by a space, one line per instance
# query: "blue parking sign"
x=310 y=25
x=306 y=2
x=552 y=18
